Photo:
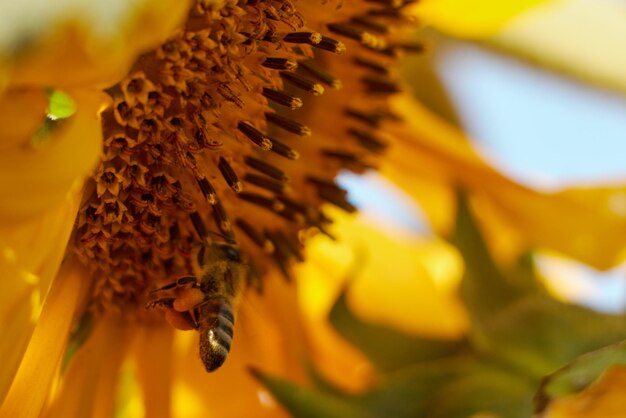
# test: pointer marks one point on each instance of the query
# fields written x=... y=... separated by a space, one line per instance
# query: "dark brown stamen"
x=199 y=225
x=367 y=140
x=335 y=195
x=411 y=47
x=332 y=45
x=266 y=168
x=282 y=99
x=207 y=190
x=322 y=76
x=284 y=150
x=303 y=83
x=369 y=64
x=280 y=64
x=262 y=201
x=311 y=38
x=347 y=160
x=389 y=3
x=379 y=86
x=256 y=136
x=359 y=35
x=229 y=175
x=271 y=36
x=388 y=12
x=371 y=119
x=256 y=236
x=286 y=246
x=267 y=183
x=370 y=24
x=222 y=220
x=287 y=124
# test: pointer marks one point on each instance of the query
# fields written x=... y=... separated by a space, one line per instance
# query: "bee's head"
x=218 y=251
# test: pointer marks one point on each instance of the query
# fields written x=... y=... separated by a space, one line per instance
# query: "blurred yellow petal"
x=22 y=112
x=587 y=224
x=34 y=377
x=75 y=48
x=89 y=385
x=401 y=282
x=602 y=399
x=403 y=274
x=36 y=176
x=584 y=38
x=30 y=255
x=471 y=19
x=153 y=357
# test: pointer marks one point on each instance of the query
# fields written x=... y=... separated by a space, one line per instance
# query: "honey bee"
x=207 y=302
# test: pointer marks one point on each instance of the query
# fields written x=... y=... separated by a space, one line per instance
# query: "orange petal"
x=89 y=386
x=22 y=112
x=34 y=178
x=153 y=357
x=30 y=256
x=91 y=56
x=602 y=399
x=34 y=377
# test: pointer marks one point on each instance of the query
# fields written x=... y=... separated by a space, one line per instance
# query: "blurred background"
x=543 y=104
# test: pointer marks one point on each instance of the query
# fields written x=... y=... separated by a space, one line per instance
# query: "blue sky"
x=540 y=129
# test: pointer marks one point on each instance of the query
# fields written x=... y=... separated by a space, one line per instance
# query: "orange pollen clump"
x=235 y=128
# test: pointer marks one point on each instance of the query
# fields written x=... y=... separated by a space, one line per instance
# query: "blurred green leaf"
x=579 y=374
x=307 y=403
x=485 y=289
x=388 y=349
x=514 y=319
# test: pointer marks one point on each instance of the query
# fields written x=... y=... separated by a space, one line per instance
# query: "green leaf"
x=579 y=374
x=308 y=403
x=518 y=322
x=484 y=289
x=486 y=389
x=388 y=349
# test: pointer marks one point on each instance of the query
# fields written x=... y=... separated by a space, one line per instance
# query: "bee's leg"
x=165 y=303
x=183 y=281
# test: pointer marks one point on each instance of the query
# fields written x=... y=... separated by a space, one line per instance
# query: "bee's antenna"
x=203 y=231
x=228 y=240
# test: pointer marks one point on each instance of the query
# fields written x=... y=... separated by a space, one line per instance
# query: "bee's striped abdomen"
x=216 y=332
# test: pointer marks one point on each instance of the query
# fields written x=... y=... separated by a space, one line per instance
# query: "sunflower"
x=210 y=134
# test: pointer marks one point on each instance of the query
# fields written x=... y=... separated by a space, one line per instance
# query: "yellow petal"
x=35 y=177
x=34 y=377
x=471 y=19
x=153 y=357
x=602 y=399
x=30 y=255
x=419 y=278
x=584 y=38
x=586 y=224
x=75 y=49
x=89 y=386
x=22 y=112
